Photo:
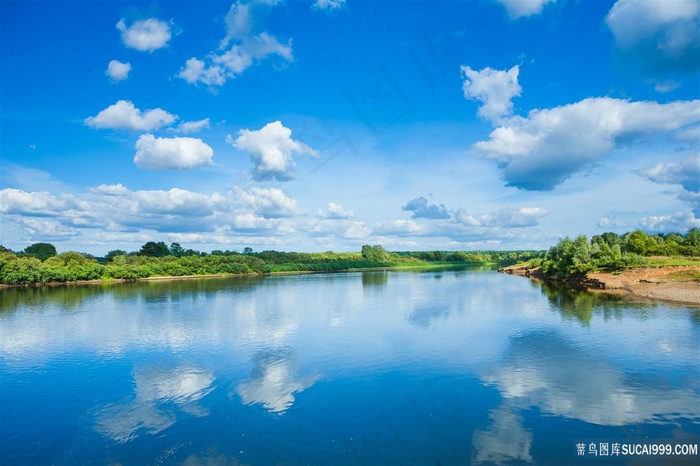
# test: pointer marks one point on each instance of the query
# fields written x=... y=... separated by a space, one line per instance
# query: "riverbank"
x=160 y=278
x=672 y=284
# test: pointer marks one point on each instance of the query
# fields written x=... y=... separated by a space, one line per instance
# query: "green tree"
x=176 y=250
x=114 y=253
x=41 y=251
x=153 y=249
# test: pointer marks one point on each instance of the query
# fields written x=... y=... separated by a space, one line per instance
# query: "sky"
x=328 y=124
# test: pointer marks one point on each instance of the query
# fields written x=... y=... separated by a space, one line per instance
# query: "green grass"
x=686 y=275
x=661 y=261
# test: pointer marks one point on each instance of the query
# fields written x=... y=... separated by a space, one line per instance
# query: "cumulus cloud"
x=240 y=48
x=154 y=153
x=685 y=173
x=145 y=35
x=196 y=70
x=493 y=88
x=522 y=8
x=508 y=217
x=399 y=228
x=336 y=211
x=41 y=204
x=421 y=209
x=658 y=35
x=271 y=149
x=192 y=126
x=328 y=4
x=124 y=115
x=540 y=151
x=117 y=70
x=176 y=201
x=268 y=202
x=678 y=222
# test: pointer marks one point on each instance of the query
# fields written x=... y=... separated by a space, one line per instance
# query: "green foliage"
x=41 y=251
x=153 y=249
x=612 y=252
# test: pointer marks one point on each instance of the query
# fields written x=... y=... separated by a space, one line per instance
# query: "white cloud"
x=42 y=229
x=124 y=115
x=117 y=70
x=421 y=209
x=540 y=151
x=248 y=47
x=175 y=201
x=268 y=202
x=328 y=4
x=196 y=70
x=659 y=35
x=493 y=88
x=399 y=228
x=679 y=222
x=685 y=173
x=666 y=86
x=508 y=217
x=111 y=190
x=42 y=204
x=336 y=212
x=145 y=35
x=522 y=8
x=192 y=126
x=154 y=153
x=270 y=149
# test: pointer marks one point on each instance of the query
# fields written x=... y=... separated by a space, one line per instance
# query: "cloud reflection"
x=151 y=409
x=542 y=369
x=273 y=382
x=505 y=440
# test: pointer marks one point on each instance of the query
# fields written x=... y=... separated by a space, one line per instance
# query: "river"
x=376 y=368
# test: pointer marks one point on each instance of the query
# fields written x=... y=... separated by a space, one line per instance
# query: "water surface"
x=378 y=368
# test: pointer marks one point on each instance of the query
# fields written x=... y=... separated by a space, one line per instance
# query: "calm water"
x=378 y=368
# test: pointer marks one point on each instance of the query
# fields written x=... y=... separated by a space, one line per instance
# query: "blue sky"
x=313 y=126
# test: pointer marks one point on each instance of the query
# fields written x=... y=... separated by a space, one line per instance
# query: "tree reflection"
x=582 y=305
x=375 y=278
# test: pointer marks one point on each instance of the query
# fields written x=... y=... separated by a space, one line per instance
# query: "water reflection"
x=423 y=316
x=150 y=411
x=273 y=381
x=582 y=305
x=375 y=278
x=505 y=440
x=212 y=459
x=545 y=370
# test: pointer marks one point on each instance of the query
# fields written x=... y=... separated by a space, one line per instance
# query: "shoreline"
x=668 y=284
x=164 y=278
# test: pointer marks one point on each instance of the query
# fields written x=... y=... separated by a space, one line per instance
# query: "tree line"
x=611 y=251
x=41 y=263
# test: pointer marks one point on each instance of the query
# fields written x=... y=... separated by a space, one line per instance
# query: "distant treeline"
x=40 y=262
x=611 y=251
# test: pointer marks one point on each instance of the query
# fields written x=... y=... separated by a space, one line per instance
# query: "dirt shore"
x=671 y=284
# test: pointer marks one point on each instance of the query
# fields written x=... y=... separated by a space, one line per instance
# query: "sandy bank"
x=672 y=284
